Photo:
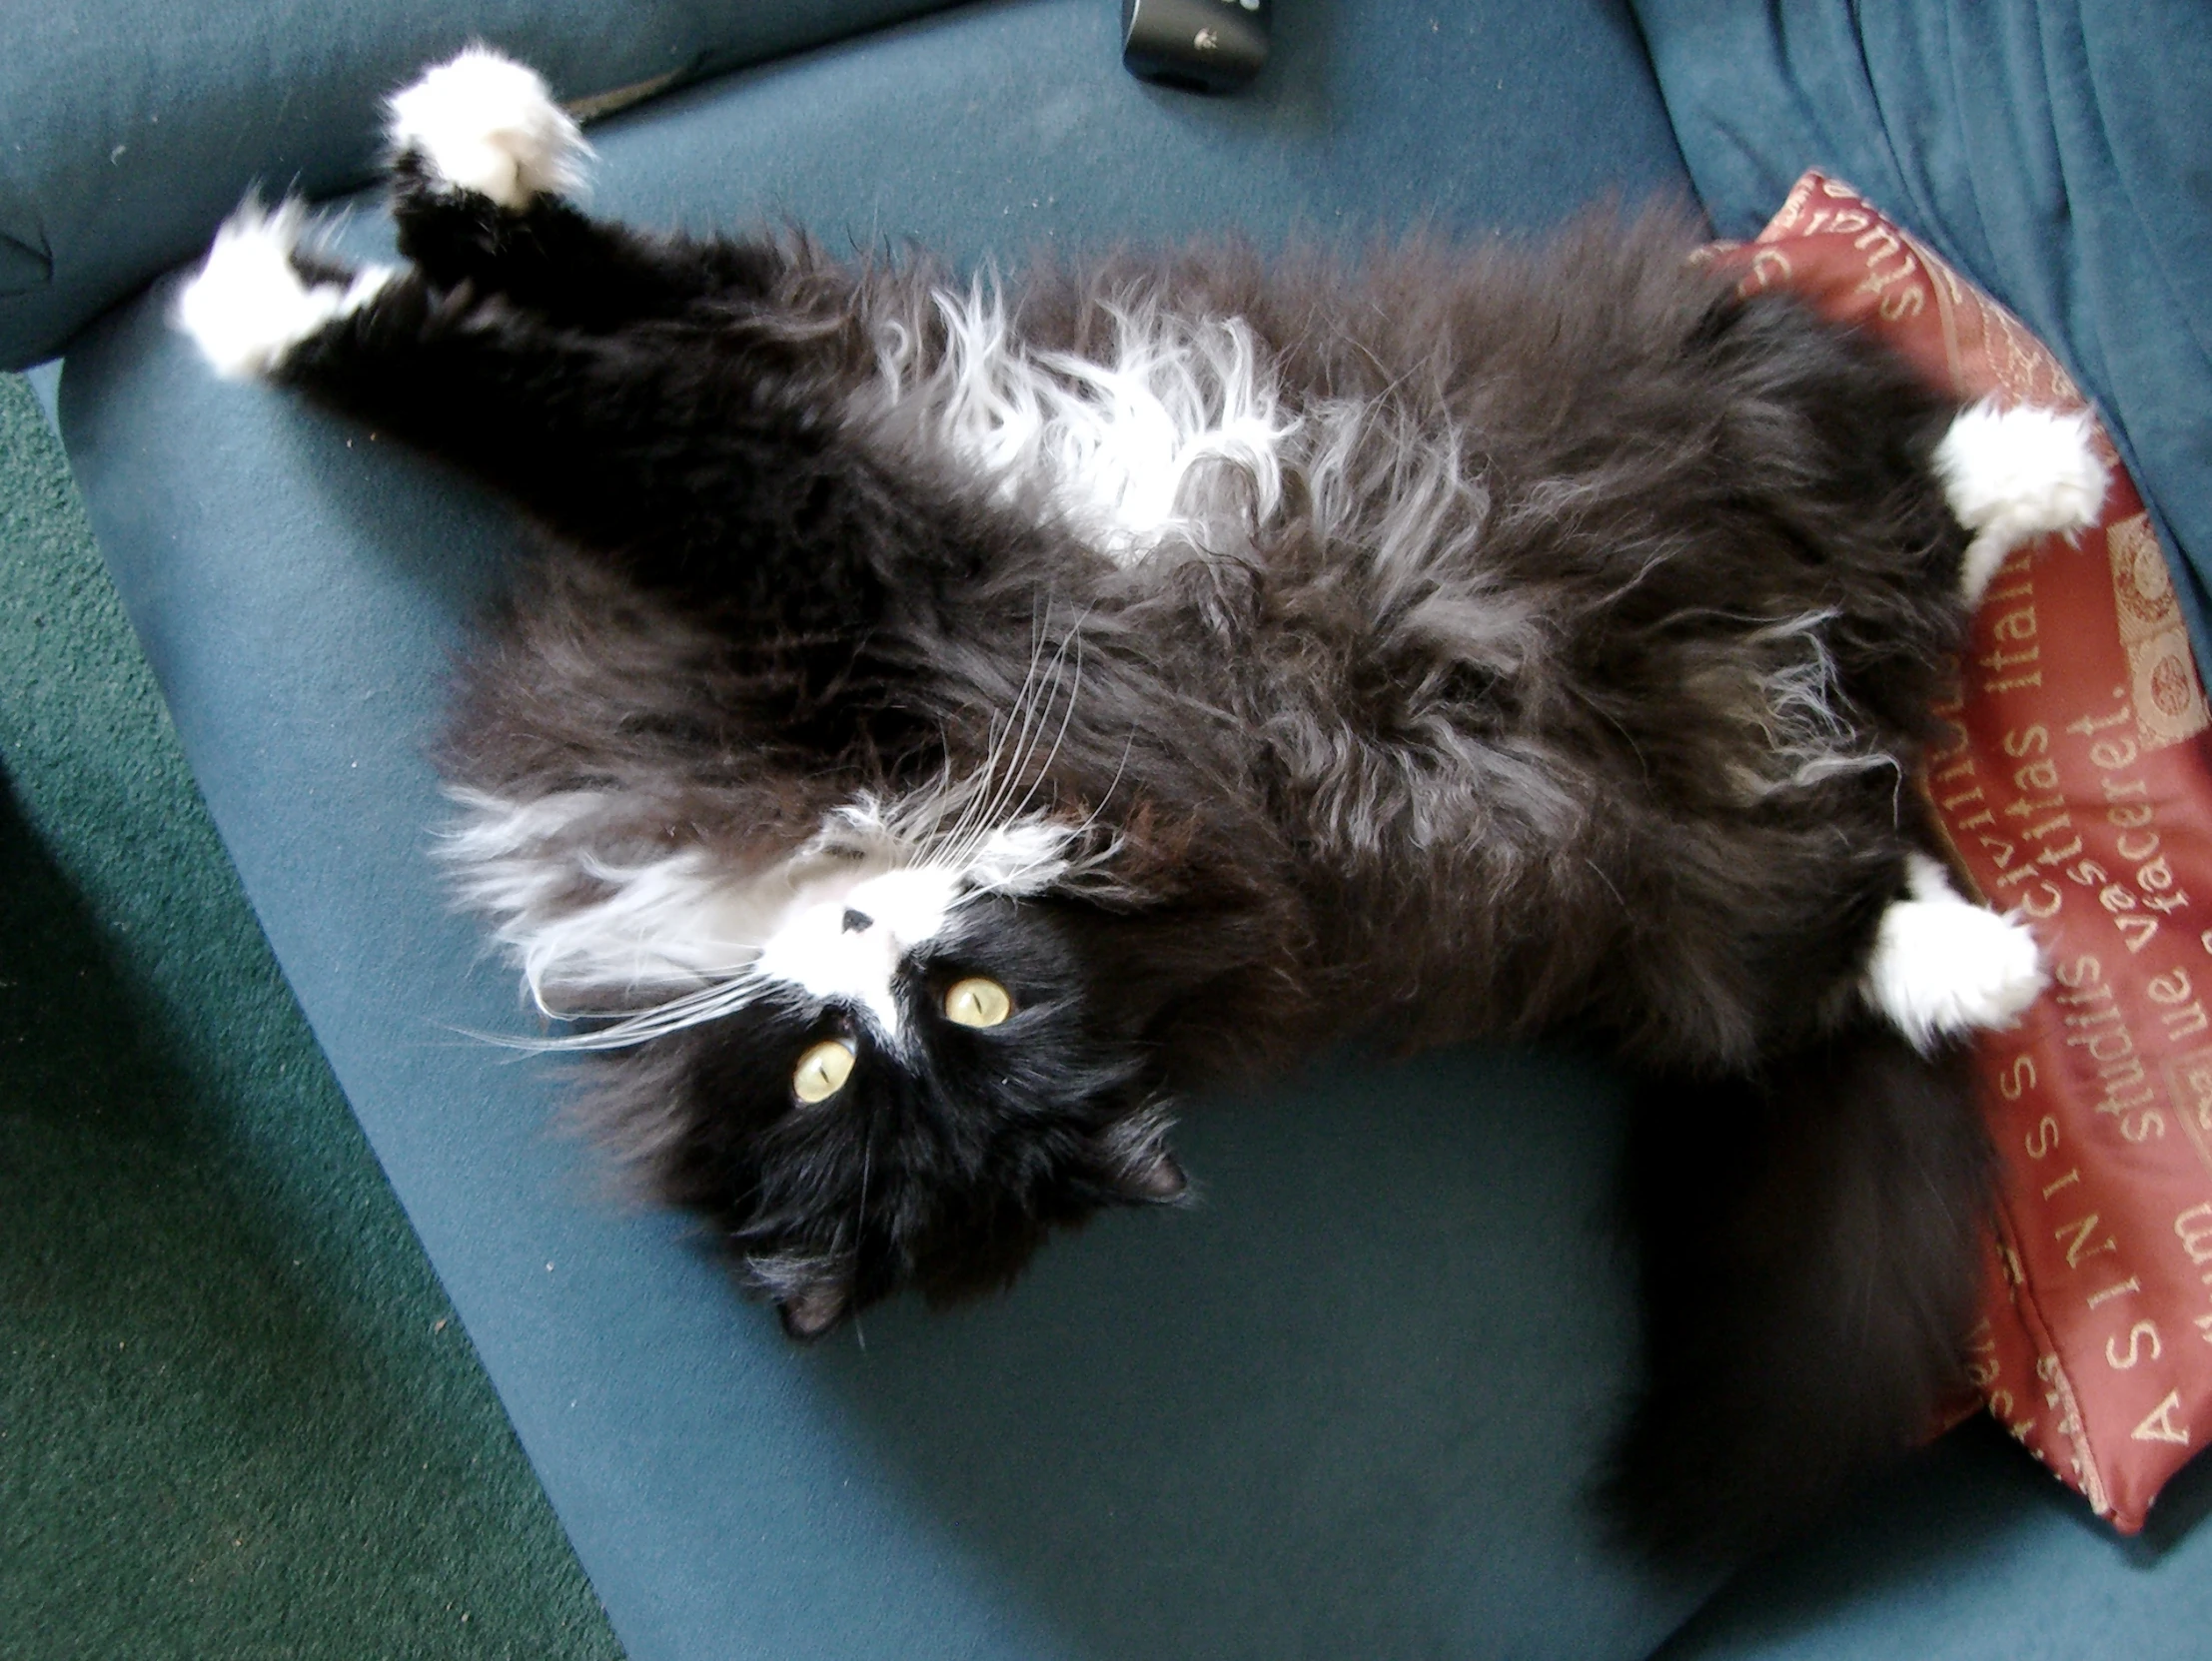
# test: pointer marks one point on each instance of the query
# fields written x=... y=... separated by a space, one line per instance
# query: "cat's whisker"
x=638 y=1027
x=975 y=792
x=1073 y=640
x=949 y=790
x=1034 y=714
x=1081 y=832
x=976 y=816
x=1044 y=770
x=867 y=1166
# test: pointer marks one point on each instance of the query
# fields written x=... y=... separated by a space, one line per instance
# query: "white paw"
x=486 y=123
x=248 y=304
x=2015 y=475
x=1943 y=966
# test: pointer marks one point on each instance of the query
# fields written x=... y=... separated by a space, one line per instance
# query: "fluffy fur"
x=1225 y=657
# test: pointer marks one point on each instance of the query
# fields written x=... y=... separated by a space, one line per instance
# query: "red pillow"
x=2076 y=786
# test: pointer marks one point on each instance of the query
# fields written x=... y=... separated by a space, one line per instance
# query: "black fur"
x=1505 y=767
x=1811 y=1246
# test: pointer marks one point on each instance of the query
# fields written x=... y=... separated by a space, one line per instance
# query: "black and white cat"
x=946 y=724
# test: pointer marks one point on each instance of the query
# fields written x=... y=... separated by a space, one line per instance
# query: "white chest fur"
x=1181 y=430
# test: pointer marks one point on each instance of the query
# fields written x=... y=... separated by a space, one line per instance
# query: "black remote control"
x=1204 y=45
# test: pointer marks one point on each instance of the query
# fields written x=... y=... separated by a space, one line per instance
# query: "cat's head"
x=923 y=1086
x=893 y=1055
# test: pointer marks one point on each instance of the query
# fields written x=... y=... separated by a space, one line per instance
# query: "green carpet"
x=237 y=1417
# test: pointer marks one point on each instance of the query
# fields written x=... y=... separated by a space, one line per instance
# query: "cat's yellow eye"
x=976 y=1002
x=823 y=1070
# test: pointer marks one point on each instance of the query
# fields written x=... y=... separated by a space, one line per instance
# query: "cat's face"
x=921 y=1091
x=893 y=1056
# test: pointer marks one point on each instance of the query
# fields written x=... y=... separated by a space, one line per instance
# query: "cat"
x=948 y=723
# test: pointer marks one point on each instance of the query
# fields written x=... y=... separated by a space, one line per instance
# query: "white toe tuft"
x=248 y=304
x=1943 y=966
x=486 y=123
x=2022 y=473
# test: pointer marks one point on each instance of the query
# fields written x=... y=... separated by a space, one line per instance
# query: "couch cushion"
x=133 y=125
x=1350 y=1405
x=1974 y=1554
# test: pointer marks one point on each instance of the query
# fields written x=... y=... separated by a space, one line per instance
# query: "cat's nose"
x=857 y=922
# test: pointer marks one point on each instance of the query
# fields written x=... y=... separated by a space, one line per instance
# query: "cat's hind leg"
x=1943 y=966
x=694 y=449
x=475 y=142
x=479 y=159
x=485 y=125
x=2011 y=475
x=260 y=293
x=578 y=429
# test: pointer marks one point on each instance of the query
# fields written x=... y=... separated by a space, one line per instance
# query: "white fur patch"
x=579 y=920
x=848 y=951
x=678 y=938
x=1181 y=429
x=248 y=304
x=483 y=122
x=2012 y=475
x=1943 y=966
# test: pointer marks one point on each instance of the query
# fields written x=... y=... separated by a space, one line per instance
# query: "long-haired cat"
x=945 y=725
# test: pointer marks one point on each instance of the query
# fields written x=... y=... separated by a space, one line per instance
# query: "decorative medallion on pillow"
x=2076 y=787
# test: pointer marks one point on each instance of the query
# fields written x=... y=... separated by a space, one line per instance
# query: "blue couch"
x=1350 y=1405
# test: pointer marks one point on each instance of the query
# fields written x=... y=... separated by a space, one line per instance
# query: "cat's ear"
x=1135 y=1165
x=1155 y=1179
x=810 y=1310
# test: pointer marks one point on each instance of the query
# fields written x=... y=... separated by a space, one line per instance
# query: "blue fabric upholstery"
x=134 y=125
x=2056 y=150
x=1350 y=1405
x=1975 y=1554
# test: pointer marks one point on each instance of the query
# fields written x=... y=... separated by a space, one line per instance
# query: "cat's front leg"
x=615 y=447
x=2011 y=475
x=1943 y=967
